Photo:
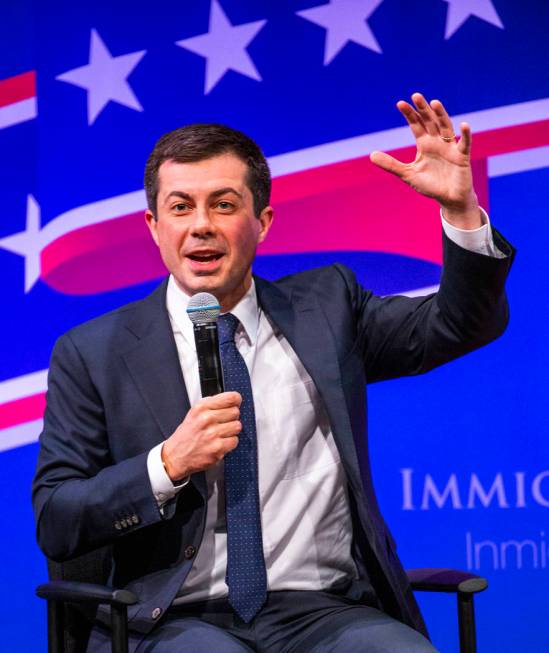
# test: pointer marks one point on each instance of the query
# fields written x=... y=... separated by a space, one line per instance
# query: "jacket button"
x=190 y=552
x=117 y=525
x=156 y=613
x=135 y=519
x=123 y=523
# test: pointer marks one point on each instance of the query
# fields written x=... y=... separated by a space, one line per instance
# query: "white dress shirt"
x=305 y=515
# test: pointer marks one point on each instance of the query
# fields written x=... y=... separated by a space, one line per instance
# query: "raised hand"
x=442 y=167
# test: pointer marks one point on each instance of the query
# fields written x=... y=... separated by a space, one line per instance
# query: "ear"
x=265 y=220
x=152 y=223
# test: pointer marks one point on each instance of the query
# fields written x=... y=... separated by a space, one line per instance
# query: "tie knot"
x=227 y=325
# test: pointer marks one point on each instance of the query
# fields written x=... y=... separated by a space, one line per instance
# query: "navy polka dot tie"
x=246 y=574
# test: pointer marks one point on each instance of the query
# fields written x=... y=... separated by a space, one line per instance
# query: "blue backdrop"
x=461 y=455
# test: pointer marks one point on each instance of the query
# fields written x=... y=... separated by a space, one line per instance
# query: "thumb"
x=388 y=162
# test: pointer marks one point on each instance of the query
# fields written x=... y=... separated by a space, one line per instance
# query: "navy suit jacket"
x=115 y=390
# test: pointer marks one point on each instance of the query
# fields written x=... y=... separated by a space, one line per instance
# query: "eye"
x=180 y=207
x=225 y=206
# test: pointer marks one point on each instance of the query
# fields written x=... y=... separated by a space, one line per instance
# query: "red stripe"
x=510 y=139
x=22 y=410
x=16 y=89
x=102 y=257
x=364 y=209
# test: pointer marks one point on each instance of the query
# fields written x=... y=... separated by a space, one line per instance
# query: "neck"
x=229 y=301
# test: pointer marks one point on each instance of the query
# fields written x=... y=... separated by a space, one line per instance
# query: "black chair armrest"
x=446 y=580
x=465 y=586
x=64 y=590
x=59 y=592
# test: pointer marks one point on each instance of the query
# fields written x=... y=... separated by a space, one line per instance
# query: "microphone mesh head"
x=203 y=307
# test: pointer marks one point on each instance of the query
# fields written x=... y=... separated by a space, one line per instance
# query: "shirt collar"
x=247 y=311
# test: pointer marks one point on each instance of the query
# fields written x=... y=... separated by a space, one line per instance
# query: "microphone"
x=203 y=311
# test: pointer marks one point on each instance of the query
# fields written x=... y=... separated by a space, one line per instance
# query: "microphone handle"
x=209 y=360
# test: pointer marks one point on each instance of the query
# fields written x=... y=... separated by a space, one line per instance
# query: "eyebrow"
x=216 y=193
x=224 y=191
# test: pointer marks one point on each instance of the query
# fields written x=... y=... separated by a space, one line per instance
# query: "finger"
x=388 y=162
x=229 y=430
x=229 y=444
x=444 y=122
x=412 y=118
x=223 y=415
x=222 y=400
x=464 y=145
x=426 y=113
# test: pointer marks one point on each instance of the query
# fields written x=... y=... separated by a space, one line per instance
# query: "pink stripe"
x=374 y=212
x=15 y=89
x=105 y=256
x=22 y=410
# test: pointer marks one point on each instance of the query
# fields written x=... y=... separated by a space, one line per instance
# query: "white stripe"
x=12 y=114
x=344 y=150
x=391 y=139
x=17 y=436
x=23 y=386
x=510 y=115
x=84 y=216
x=507 y=164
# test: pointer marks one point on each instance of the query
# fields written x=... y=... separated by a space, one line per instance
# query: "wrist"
x=171 y=472
x=463 y=217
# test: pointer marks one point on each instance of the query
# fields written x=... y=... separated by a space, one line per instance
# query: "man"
x=250 y=523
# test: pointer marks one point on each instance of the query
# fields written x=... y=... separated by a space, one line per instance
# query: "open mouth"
x=205 y=258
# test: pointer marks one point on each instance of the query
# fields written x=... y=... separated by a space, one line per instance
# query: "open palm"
x=442 y=167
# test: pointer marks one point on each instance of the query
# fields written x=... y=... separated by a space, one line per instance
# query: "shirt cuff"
x=161 y=484
x=480 y=241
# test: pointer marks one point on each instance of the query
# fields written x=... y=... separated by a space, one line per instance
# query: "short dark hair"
x=203 y=141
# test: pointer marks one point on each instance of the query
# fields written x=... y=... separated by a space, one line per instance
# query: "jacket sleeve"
x=401 y=336
x=82 y=499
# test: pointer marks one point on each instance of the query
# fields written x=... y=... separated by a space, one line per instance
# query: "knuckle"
x=196 y=411
x=204 y=419
x=219 y=453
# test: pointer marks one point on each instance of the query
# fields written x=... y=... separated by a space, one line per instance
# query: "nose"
x=202 y=225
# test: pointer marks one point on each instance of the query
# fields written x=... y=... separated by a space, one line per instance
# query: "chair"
x=78 y=587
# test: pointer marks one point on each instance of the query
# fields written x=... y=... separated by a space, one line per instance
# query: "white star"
x=344 y=21
x=224 y=47
x=460 y=10
x=105 y=78
x=28 y=243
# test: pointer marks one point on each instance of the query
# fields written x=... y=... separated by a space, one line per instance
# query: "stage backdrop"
x=460 y=456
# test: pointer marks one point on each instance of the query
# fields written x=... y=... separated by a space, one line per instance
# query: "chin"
x=207 y=285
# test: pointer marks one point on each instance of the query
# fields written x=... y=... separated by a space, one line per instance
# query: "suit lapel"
x=153 y=363
x=304 y=325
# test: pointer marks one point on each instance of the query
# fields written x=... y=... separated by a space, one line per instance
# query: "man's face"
x=206 y=228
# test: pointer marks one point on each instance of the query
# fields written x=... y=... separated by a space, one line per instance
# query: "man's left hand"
x=442 y=167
